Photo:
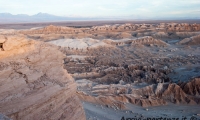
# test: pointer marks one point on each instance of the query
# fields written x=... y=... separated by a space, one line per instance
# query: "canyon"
x=100 y=72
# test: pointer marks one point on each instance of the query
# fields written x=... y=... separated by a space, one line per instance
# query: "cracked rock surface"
x=33 y=83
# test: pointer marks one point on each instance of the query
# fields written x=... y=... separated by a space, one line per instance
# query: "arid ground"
x=130 y=69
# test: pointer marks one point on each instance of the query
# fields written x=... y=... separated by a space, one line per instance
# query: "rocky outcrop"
x=173 y=35
x=51 y=29
x=119 y=101
x=151 y=95
x=33 y=83
x=168 y=92
x=148 y=40
x=195 y=40
x=192 y=87
x=181 y=27
x=117 y=31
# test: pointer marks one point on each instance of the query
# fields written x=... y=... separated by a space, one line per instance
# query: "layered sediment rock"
x=192 y=87
x=195 y=40
x=168 y=92
x=152 y=95
x=117 y=31
x=33 y=83
x=139 y=41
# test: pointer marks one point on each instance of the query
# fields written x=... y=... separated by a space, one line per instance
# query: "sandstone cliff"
x=33 y=83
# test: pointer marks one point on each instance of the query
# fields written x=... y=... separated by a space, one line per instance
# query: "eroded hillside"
x=116 y=66
x=33 y=83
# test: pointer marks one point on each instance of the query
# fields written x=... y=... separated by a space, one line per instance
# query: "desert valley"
x=100 y=71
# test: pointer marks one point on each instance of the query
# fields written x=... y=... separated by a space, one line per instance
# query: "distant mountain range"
x=40 y=17
x=44 y=17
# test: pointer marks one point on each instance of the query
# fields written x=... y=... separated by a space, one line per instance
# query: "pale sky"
x=98 y=8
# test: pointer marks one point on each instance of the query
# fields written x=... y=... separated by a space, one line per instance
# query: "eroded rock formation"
x=152 y=95
x=192 y=87
x=117 y=31
x=195 y=40
x=33 y=83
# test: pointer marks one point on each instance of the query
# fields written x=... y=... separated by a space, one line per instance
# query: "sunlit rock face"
x=194 y=40
x=153 y=95
x=33 y=83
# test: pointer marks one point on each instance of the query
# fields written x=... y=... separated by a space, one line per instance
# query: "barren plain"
x=130 y=70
